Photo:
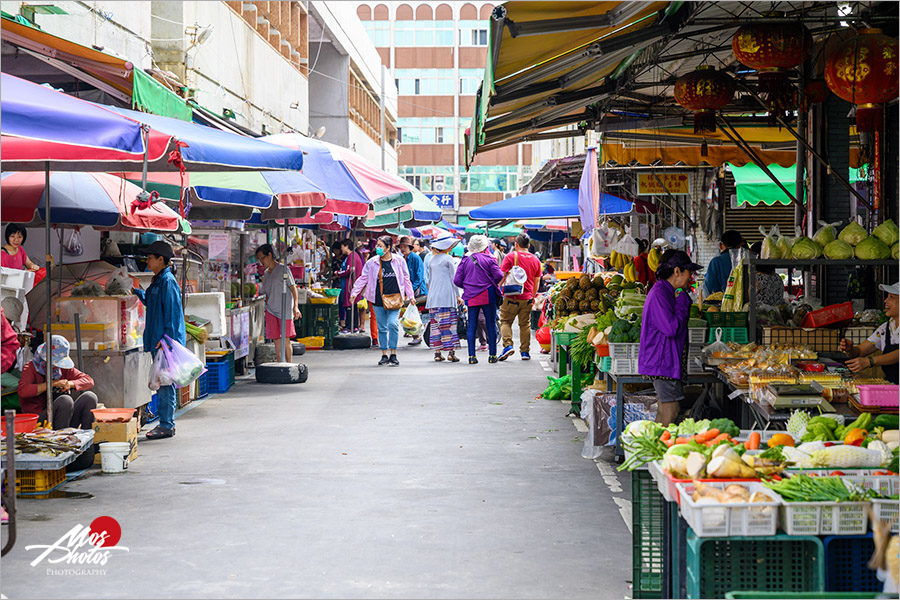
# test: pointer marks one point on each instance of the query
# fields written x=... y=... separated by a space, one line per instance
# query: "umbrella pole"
x=283 y=357
x=48 y=339
x=62 y=236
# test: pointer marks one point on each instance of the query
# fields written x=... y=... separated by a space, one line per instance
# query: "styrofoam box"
x=17 y=279
x=208 y=305
x=731 y=518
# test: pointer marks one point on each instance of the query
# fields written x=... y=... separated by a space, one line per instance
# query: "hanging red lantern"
x=704 y=91
x=863 y=70
x=772 y=49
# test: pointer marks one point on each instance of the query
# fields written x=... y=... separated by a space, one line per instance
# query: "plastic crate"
x=878 y=395
x=693 y=367
x=726 y=319
x=825 y=518
x=321 y=321
x=780 y=563
x=203 y=386
x=802 y=595
x=846 y=564
x=624 y=366
x=887 y=511
x=604 y=364
x=738 y=335
x=223 y=357
x=673 y=494
x=647 y=507
x=217 y=378
x=859 y=334
x=819 y=340
x=697 y=335
x=184 y=396
x=733 y=518
x=29 y=482
x=152 y=408
x=836 y=315
x=623 y=351
x=565 y=338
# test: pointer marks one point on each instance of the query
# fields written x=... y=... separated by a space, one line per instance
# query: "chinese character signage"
x=675 y=183
x=445 y=201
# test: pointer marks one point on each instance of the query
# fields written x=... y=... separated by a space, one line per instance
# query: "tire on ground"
x=351 y=341
x=281 y=373
x=299 y=349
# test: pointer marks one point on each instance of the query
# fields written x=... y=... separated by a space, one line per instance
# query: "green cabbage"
x=872 y=248
x=805 y=249
x=826 y=233
x=895 y=251
x=887 y=232
x=838 y=250
x=770 y=247
x=852 y=233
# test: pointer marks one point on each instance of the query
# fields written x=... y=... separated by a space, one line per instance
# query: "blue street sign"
x=443 y=200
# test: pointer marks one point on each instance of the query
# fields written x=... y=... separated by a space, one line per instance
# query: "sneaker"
x=492 y=359
x=507 y=352
x=393 y=361
x=384 y=360
x=482 y=347
x=525 y=355
x=415 y=341
x=343 y=331
x=473 y=360
x=375 y=343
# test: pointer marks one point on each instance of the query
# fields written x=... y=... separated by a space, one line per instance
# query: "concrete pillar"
x=168 y=32
x=329 y=99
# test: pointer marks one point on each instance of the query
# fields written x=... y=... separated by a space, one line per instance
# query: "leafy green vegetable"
x=725 y=426
x=872 y=248
x=775 y=453
x=803 y=488
x=826 y=233
x=887 y=232
x=805 y=249
x=852 y=233
x=838 y=250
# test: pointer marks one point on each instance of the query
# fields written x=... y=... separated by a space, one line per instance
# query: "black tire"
x=299 y=349
x=304 y=373
x=351 y=341
x=280 y=373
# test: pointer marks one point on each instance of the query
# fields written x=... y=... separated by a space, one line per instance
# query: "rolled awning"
x=753 y=186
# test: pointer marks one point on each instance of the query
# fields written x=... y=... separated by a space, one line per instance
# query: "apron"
x=891 y=372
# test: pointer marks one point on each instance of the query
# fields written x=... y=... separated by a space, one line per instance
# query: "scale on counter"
x=792 y=395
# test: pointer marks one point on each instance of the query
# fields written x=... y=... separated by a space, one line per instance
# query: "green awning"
x=151 y=96
x=754 y=186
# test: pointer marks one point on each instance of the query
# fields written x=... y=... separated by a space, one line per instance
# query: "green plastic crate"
x=810 y=595
x=726 y=319
x=565 y=337
x=604 y=364
x=647 y=506
x=779 y=563
x=729 y=334
x=321 y=320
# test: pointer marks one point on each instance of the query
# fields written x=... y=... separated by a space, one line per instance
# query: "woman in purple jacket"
x=664 y=332
x=478 y=275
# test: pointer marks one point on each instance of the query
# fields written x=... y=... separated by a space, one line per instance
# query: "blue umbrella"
x=550 y=204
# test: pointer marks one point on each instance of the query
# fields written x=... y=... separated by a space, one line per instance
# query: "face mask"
x=379 y=251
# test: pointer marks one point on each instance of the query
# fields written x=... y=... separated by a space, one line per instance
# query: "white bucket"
x=114 y=456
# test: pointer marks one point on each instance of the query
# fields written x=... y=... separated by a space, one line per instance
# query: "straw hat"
x=478 y=243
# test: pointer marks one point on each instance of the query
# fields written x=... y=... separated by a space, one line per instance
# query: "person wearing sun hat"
x=885 y=339
x=66 y=381
x=443 y=299
x=479 y=277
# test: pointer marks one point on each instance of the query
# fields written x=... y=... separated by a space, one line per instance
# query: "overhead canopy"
x=482 y=227
x=753 y=186
x=420 y=211
x=550 y=204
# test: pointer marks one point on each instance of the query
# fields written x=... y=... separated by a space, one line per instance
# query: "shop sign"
x=675 y=183
x=447 y=201
x=220 y=247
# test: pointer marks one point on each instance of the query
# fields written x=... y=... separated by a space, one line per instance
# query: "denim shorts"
x=668 y=390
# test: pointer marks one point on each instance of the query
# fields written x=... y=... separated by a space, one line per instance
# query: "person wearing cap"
x=884 y=339
x=479 y=276
x=416 y=268
x=663 y=345
x=66 y=381
x=498 y=249
x=164 y=316
x=443 y=299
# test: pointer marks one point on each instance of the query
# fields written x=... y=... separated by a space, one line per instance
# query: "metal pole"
x=381 y=107
x=62 y=236
x=48 y=339
x=78 y=341
x=283 y=357
x=10 y=417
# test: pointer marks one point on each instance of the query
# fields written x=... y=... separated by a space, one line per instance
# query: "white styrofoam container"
x=208 y=305
x=17 y=279
x=732 y=518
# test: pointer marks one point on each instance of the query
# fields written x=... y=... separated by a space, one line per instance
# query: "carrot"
x=709 y=444
x=720 y=438
x=665 y=435
x=709 y=434
x=754 y=441
x=682 y=440
x=669 y=443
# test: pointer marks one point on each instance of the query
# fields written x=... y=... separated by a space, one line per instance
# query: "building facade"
x=436 y=52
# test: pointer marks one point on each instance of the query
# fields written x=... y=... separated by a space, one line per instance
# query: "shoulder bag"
x=499 y=295
x=517 y=272
x=388 y=301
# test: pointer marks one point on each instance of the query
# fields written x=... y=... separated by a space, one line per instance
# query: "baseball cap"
x=681 y=260
x=890 y=289
x=160 y=248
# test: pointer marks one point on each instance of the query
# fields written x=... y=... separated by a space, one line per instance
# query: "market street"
x=424 y=481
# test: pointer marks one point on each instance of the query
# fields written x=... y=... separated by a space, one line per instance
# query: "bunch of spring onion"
x=803 y=488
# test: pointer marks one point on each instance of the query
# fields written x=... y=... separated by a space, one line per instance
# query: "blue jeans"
x=168 y=401
x=388 y=327
x=489 y=311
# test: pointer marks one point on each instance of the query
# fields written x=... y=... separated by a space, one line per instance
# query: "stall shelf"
x=35 y=462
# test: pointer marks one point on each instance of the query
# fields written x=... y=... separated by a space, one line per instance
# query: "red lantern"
x=772 y=49
x=704 y=91
x=863 y=70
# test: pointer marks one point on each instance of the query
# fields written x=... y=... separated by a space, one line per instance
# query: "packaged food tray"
x=732 y=518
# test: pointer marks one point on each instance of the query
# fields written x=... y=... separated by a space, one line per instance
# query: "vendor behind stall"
x=13 y=255
x=66 y=380
x=663 y=349
x=884 y=339
x=272 y=286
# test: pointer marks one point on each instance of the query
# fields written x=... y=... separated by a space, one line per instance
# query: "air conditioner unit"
x=508 y=195
x=439 y=186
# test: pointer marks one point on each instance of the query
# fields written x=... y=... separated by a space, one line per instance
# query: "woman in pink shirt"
x=13 y=254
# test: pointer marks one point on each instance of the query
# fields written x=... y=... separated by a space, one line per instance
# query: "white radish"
x=696 y=462
x=726 y=451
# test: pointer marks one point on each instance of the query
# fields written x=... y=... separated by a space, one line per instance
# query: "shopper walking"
x=416 y=267
x=385 y=279
x=479 y=275
x=518 y=306
x=443 y=300
x=663 y=355
x=498 y=249
x=164 y=316
x=272 y=286
x=350 y=270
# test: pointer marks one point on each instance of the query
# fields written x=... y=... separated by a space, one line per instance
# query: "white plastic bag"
x=72 y=245
x=160 y=375
x=183 y=365
x=119 y=283
x=603 y=240
x=627 y=245
x=412 y=320
x=770 y=248
x=716 y=346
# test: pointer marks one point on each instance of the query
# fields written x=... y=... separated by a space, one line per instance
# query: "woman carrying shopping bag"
x=164 y=317
x=387 y=288
x=443 y=299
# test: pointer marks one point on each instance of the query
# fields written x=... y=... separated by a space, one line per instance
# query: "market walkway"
x=424 y=481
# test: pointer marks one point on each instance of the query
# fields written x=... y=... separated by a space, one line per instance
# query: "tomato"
x=837 y=474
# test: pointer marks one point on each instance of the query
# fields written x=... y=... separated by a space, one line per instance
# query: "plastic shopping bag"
x=160 y=374
x=119 y=283
x=627 y=245
x=72 y=246
x=770 y=248
x=184 y=366
x=412 y=320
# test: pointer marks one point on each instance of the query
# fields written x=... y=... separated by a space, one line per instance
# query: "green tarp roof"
x=754 y=186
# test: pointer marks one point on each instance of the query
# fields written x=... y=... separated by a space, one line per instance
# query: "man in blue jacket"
x=416 y=268
x=720 y=267
x=165 y=316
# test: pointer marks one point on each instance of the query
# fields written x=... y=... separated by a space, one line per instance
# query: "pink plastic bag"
x=183 y=366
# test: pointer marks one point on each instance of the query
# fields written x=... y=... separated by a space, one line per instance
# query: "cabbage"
x=784 y=247
x=852 y=233
x=826 y=233
x=895 y=251
x=872 y=248
x=770 y=247
x=838 y=250
x=805 y=249
x=887 y=232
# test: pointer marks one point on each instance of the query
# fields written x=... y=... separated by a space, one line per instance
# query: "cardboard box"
x=116 y=432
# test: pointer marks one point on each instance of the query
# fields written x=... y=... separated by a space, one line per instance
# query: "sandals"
x=452 y=357
x=159 y=433
x=438 y=357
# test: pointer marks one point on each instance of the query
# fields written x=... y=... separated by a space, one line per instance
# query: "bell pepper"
x=855 y=435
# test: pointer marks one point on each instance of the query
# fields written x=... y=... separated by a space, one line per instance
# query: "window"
x=418 y=87
x=491 y=178
x=439 y=135
x=424 y=130
x=473 y=33
x=379 y=32
x=470 y=81
x=426 y=82
x=428 y=179
x=423 y=34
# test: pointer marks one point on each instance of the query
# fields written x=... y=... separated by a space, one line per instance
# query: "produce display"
x=46 y=442
x=803 y=488
x=735 y=492
x=852 y=241
x=561 y=388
